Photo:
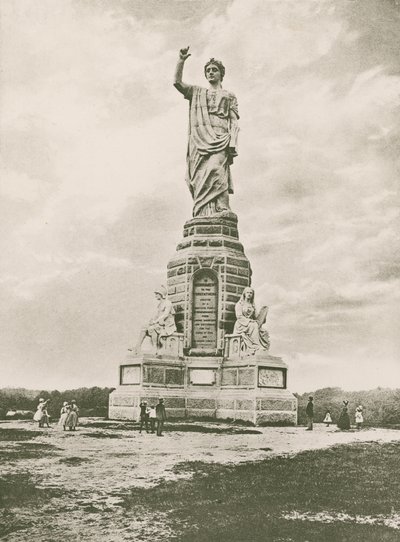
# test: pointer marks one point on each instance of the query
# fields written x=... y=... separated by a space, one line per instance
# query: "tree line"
x=91 y=401
x=381 y=406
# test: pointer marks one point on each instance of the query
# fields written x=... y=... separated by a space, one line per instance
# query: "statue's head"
x=213 y=63
x=161 y=291
x=248 y=294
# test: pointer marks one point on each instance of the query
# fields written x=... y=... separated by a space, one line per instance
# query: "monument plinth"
x=211 y=354
x=204 y=370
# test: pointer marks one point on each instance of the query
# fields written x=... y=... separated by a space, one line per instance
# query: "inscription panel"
x=130 y=374
x=271 y=378
x=205 y=311
x=202 y=377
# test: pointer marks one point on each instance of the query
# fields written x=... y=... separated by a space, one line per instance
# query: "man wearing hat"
x=161 y=416
x=310 y=414
x=163 y=322
x=144 y=416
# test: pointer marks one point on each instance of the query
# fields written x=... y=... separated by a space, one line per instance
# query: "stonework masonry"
x=209 y=271
x=203 y=370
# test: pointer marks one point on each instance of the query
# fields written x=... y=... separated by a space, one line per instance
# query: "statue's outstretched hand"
x=183 y=53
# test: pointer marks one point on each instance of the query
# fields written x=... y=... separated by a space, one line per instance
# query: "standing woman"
x=344 y=420
x=39 y=414
x=72 y=418
x=64 y=414
x=213 y=132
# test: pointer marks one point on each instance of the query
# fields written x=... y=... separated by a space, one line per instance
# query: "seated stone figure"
x=162 y=324
x=249 y=324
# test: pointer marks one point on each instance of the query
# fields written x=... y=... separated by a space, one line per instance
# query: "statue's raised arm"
x=213 y=131
x=178 y=83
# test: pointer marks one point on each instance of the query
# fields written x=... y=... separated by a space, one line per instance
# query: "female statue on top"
x=212 y=145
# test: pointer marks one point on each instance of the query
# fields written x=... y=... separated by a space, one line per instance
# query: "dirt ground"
x=71 y=486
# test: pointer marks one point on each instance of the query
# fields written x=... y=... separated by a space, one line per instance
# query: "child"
x=328 y=418
x=46 y=417
x=359 y=417
x=152 y=418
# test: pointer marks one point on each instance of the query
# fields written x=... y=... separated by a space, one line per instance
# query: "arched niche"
x=204 y=310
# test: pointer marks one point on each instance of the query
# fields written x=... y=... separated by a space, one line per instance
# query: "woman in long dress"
x=212 y=144
x=247 y=325
x=40 y=414
x=64 y=414
x=344 y=419
x=72 y=418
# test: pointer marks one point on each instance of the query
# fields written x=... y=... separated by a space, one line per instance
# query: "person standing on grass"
x=39 y=414
x=46 y=417
x=359 y=417
x=144 y=416
x=72 y=418
x=328 y=418
x=310 y=414
x=344 y=420
x=161 y=417
x=64 y=415
x=152 y=418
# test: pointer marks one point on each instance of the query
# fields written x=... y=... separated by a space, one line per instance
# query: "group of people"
x=68 y=415
x=344 y=418
x=154 y=416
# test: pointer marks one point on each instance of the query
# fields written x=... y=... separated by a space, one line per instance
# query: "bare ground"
x=72 y=486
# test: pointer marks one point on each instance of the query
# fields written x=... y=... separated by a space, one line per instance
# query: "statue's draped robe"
x=211 y=146
x=246 y=325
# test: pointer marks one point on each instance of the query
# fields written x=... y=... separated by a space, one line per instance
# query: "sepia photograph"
x=200 y=270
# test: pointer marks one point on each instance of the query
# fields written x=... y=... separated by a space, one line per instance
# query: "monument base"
x=250 y=388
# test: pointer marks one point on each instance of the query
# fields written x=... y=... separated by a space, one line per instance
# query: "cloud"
x=93 y=191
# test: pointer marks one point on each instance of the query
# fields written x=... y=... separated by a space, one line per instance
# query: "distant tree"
x=381 y=407
x=92 y=400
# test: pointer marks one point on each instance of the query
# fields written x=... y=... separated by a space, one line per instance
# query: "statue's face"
x=213 y=74
x=158 y=296
x=248 y=295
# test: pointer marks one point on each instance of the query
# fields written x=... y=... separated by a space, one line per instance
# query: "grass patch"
x=98 y=434
x=74 y=460
x=186 y=427
x=189 y=428
x=246 y=502
x=27 y=450
x=120 y=426
x=21 y=490
x=8 y=435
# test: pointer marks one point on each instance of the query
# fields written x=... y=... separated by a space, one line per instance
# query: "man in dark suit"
x=161 y=417
x=144 y=416
x=310 y=414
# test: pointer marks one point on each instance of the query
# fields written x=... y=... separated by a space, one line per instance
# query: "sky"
x=93 y=197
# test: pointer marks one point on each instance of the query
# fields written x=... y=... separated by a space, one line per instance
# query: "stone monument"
x=216 y=362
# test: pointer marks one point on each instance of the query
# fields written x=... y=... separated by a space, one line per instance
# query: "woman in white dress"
x=64 y=415
x=40 y=414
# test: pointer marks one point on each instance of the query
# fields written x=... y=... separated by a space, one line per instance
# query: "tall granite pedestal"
x=203 y=369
